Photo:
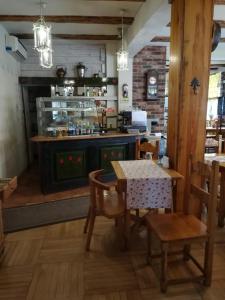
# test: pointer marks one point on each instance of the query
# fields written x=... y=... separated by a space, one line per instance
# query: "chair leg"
x=149 y=253
x=87 y=220
x=208 y=263
x=121 y=227
x=164 y=262
x=186 y=252
x=91 y=227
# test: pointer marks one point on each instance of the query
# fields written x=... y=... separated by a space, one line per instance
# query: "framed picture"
x=152 y=85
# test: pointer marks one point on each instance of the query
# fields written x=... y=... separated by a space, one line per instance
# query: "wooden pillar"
x=190 y=53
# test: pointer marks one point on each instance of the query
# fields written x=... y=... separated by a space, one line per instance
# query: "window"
x=214 y=93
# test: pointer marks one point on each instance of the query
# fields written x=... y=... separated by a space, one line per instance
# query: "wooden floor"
x=29 y=191
x=49 y=263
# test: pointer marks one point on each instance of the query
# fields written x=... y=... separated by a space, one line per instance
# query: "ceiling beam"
x=166 y=39
x=90 y=37
x=68 y=19
x=120 y=0
x=221 y=22
x=219 y=2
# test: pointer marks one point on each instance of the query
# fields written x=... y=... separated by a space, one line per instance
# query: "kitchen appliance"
x=133 y=120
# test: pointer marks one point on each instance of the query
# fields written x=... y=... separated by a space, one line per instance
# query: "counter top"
x=40 y=138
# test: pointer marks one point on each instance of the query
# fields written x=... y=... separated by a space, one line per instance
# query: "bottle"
x=162 y=149
x=88 y=92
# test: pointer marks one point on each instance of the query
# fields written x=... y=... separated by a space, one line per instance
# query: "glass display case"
x=63 y=116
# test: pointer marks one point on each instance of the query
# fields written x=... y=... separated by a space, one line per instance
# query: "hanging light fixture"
x=42 y=32
x=46 y=58
x=122 y=55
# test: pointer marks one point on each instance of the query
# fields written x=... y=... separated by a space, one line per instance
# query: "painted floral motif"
x=148 y=186
x=61 y=161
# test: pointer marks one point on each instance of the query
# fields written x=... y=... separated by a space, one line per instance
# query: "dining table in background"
x=221 y=206
x=145 y=185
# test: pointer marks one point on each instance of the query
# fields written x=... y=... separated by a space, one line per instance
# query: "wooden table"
x=221 y=206
x=122 y=186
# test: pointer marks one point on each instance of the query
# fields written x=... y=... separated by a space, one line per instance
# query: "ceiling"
x=101 y=20
x=100 y=8
x=218 y=56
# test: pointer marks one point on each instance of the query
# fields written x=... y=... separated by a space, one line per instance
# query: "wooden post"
x=190 y=53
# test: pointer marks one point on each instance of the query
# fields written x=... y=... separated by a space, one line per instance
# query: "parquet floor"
x=49 y=263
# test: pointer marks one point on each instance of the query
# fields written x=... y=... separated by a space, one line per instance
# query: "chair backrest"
x=147 y=147
x=206 y=191
x=98 y=190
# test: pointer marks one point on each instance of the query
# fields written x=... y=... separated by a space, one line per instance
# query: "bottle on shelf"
x=162 y=149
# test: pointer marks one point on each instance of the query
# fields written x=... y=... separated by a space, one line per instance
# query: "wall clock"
x=152 y=85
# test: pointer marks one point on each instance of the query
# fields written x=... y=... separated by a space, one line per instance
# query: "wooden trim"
x=47 y=81
x=219 y=2
x=166 y=39
x=120 y=0
x=89 y=37
x=68 y=19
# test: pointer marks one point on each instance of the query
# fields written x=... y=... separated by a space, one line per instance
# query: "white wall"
x=12 y=140
x=66 y=53
x=125 y=77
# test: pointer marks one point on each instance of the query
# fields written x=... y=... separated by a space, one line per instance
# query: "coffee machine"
x=133 y=120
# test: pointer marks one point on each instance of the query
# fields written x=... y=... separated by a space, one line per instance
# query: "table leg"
x=127 y=228
x=221 y=208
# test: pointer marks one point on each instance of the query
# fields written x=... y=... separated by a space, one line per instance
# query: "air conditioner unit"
x=15 y=47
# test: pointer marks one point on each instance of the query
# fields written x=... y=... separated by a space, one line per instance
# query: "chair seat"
x=174 y=227
x=113 y=207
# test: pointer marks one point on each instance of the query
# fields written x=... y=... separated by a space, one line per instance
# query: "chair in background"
x=152 y=147
x=105 y=201
x=185 y=229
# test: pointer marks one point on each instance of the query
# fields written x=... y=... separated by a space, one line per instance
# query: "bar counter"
x=66 y=161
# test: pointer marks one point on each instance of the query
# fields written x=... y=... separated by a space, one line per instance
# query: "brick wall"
x=150 y=57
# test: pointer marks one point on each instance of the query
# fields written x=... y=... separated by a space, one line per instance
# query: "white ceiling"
x=68 y=7
x=100 y=8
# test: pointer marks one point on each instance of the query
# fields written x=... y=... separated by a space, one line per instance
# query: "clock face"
x=152 y=80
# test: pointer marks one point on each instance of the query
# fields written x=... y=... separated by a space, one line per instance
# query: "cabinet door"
x=110 y=153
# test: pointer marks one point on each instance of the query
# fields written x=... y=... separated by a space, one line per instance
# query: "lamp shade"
x=46 y=58
x=122 y=60
x=42 y=35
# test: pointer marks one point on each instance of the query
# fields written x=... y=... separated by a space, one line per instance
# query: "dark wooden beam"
x=221 y=22
x=90 y=37
x=120 y=0
x=219 y=2
x=68 y=19
x=47 y=81
x=166 y=39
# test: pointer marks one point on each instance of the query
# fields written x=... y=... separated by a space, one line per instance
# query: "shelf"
x=81 y=98
x=47 y=81
x=74 y=109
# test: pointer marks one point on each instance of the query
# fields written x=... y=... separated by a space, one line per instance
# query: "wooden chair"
x=106 y=201
x=185 y=229
x=152 y=147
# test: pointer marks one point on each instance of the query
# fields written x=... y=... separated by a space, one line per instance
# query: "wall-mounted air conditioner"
x=15 y=47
